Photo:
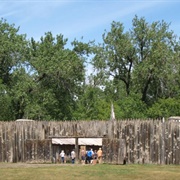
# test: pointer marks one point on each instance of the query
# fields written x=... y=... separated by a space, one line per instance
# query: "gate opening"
x=76 y=143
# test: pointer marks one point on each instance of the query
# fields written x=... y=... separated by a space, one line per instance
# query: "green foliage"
x=59 y=73
x=5 y=101
x=116 y=55
x=164 y=108
x=138 y=70
x=12 y=54
x=130 y=107
x=154 y=67
x=92 y=105
x=12 y=50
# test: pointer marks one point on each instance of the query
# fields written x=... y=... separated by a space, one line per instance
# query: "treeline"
x=137 y=70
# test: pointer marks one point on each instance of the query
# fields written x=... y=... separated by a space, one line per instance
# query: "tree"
x=12 y=50
x=164 y=108
x=21 y=94
x=115 y=57
x=92 y=104
x=139 y=61
x=12 y=55
x=59 y=73
x=154 y=44
x=137 y=70
x=5 y=101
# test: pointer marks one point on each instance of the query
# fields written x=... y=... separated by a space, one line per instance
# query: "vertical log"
x=148 y=141
x=110 y=129
x=126 y=134
x=122 y=152
x=77 y=150
x=168 y=137
x=131 y=142
x=40 y=151
x=110 y=151
x=17 y=144
x=145 y=145
x=178 y=143
x=115 y=151
x=1 y=144
x=156 y=143
x=104 y=149
x=14 y=146
x=135 y=141
x=141 y=137
x=48 y=152
x=5 y=144
x=171 y=139
x=151 y=142
x=127 y=141
x=162 y=138
x=24 y=144
x=10 y=143
x=142 y=143
x=115 y=129
x=176 y=140
x=166 y=142
x=29 y=149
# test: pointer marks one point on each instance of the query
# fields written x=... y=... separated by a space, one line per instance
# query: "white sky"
x=87 y=18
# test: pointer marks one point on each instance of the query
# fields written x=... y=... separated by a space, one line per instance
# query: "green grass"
x=88 y=172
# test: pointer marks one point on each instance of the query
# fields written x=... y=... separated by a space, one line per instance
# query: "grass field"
x=19 y=171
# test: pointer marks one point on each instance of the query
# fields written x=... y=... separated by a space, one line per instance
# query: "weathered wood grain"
x=130 y=141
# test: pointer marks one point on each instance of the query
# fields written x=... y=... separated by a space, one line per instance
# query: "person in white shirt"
x=62 y=155
x=73 y=156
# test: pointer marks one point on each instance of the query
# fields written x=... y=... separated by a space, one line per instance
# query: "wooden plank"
x=140 y=159
x=105 y=145
x=151 y=153
x=5 y=144
x=76 y=150
x=171 y=143
x=127 y=139
x=147 y=143
x=1 y=144
x=131 y=142
x=47 y=151
x=144 y=141
x=162 y=143
x=178 y=144
x=122 y=152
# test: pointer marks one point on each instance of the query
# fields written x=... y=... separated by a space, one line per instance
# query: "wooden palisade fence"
x=133 y=141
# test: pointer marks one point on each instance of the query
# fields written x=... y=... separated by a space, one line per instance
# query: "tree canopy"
x=136 y=70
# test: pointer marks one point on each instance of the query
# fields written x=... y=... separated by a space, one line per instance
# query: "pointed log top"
x=112 y=118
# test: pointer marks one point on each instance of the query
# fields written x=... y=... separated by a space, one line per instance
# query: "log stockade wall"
x=131 y=141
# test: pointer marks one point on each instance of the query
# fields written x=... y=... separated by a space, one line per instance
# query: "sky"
x=89 y=19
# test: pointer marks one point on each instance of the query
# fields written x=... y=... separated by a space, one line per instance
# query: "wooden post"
x=122 y=152
x=76 y=150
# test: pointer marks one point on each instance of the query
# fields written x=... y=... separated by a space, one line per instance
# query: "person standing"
x=62 y=155
x=73 y=156
x=83 y=154
x=92 y=156
x=89 y=156
x=99 y=155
